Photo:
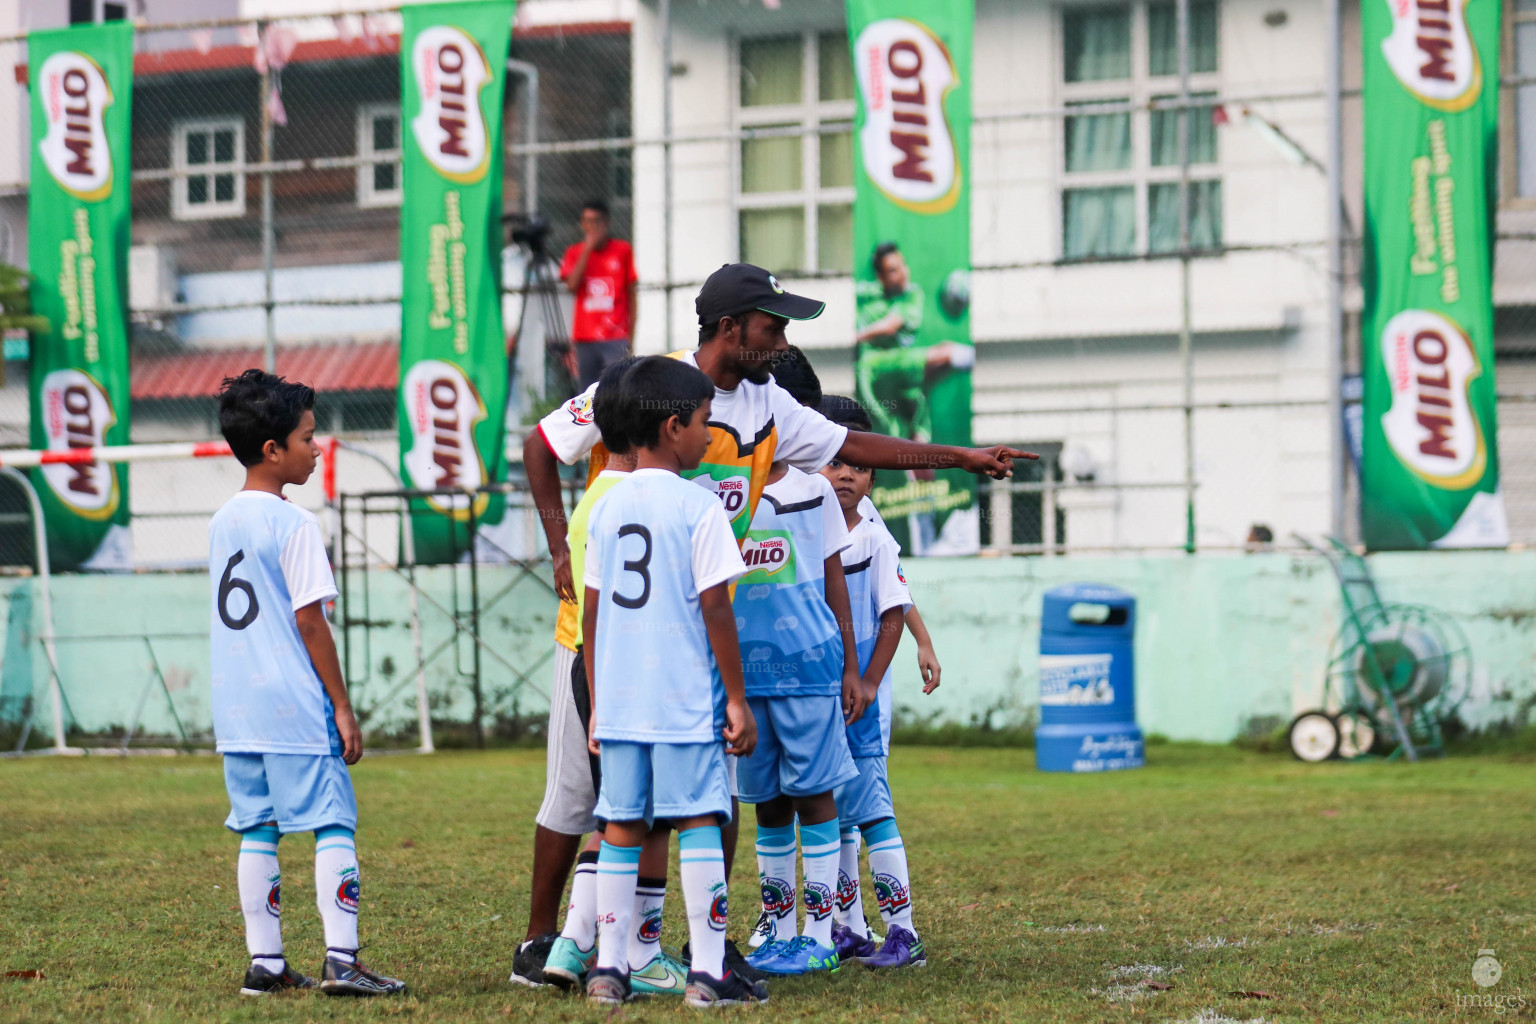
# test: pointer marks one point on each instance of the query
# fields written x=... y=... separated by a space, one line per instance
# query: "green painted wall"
x=1221 y=639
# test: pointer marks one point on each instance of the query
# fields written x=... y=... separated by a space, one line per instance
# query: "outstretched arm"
x=543 y=471
x=877 y=451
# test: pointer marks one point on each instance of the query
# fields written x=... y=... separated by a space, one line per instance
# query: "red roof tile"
x=349 y=367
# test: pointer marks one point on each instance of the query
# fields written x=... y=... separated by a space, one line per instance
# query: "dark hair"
x=597 y=206
x=656 y=388
x=882 y=250
x=708 y=331
x=845 y=412
x=258 y=407
x=792 y=371
x=609 y=406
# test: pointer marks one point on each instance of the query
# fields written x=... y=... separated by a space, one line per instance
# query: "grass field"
x=1342 y=892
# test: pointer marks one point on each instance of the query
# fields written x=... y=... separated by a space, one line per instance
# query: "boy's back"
x=655 y=541
x=266 y=559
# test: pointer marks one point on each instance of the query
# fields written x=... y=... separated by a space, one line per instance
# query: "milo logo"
x=450 y=128
x=1431 y=52
x=1431 y=425
x=442 y=408
x=75 y=96
x=77 y=414
x=770 y=557
x=731 y=484
x=907 y=142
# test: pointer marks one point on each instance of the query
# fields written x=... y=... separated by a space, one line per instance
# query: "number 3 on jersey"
x=640 y=566
x=230 y=583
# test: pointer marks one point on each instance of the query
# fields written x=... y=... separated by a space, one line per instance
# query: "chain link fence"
x=265 y=206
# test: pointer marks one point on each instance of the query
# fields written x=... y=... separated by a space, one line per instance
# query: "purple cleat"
x=901 y=949
x=851 y=946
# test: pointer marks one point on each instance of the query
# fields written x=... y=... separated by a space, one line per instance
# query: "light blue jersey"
x=654 y=543
x=266 y=560
x=790 y=644
x=872 y=568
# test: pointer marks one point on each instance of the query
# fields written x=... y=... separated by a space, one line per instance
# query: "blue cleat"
x=800 y=955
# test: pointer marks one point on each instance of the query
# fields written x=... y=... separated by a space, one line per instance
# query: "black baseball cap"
x=738 y=288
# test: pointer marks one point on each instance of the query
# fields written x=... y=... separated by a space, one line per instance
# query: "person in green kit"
x=892 y=371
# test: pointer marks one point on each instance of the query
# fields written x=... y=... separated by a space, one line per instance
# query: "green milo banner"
x=1429 y=471
x=81 y=80
x=453 y=355
x=912 y=253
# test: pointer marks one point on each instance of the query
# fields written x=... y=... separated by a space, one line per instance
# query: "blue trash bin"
x=1087 y=681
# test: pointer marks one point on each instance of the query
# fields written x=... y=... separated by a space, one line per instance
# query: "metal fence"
x=265 y=191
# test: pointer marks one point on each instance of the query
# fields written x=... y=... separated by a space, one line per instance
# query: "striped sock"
x=260 y=885
x=581 y=912
x=850 y=902
x=888 y=867
x=702 y=862
x=617 y=869
x=336 y=890
x=645 y=936
x=776 y=876
x=819 y=853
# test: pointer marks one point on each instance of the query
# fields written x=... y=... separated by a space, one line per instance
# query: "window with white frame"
x=794 y=195
x=378 y=144
x=1120 y=170
x=209 y=153
x=1519 y=143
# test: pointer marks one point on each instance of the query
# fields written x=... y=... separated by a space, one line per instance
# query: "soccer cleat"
x=567 y=965
x=764 y=932
x=261 y=982
x=800 y=955
x=705 y=993
x=735 y=963
x=339 y=978
x=901 y=949
x=662 y=976
x=765 y=954
x=608 y=986
x=850 y=946
x=528 y=961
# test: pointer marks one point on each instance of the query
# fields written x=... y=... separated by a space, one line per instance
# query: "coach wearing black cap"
x=743 y=312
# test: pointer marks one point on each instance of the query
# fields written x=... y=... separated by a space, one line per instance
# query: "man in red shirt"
x=600 y=272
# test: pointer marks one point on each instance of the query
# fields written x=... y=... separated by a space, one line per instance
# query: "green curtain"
x=834 y=236
x=834 y=67
x=770 y=71
x=771 y=164
x=1098 y=142
x=1099 y=222
x=774 y=239
x=1165 y=134
x=837 y=160
x=1204 y=216
x=1098 y=43
x=1163 y=39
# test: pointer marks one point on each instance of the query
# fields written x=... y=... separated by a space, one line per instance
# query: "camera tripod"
x=541 y=285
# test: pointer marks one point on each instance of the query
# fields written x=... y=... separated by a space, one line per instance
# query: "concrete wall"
x=1221 y=639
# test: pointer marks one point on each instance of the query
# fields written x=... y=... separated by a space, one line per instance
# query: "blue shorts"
x=301 y=792
x=868 y=797
x=646 y=781
x=802 y=748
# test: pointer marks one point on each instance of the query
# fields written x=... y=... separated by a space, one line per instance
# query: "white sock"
x=850 y=902
x=645 y=936
x=618 y=867
x=776 y=876
x=702 y=862
x=581 y=912
x=260 y=896
x=336 y=890
x=888 y=868
x=819 y=847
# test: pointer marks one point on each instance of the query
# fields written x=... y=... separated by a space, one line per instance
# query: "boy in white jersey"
x=665 y=670
x=652 y=971
x=281 y=714
x=802 y=683
x=878 y=597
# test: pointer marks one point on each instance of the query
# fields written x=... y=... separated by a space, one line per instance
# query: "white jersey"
x=266 y=560
x=655 y=542
x=872 y=567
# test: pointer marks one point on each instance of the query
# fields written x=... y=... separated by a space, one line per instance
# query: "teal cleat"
x=568 y=965
x=800 y=955
x=662 y=976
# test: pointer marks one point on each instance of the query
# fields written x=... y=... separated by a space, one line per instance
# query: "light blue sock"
x=260 y=885
x=776 y=876
x=618 y=869
x=819 y=847
x=888 y=866
x=701 y=860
